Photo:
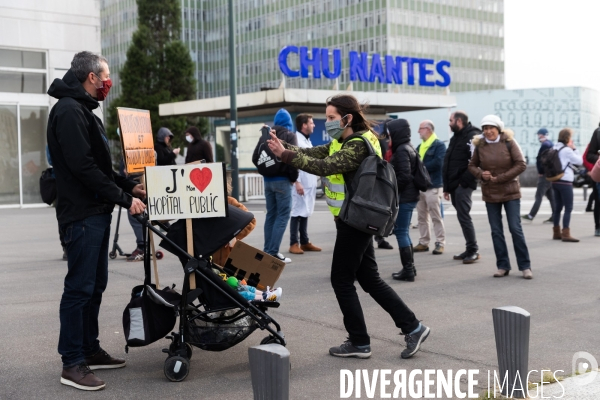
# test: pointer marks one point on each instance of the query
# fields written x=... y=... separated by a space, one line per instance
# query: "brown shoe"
x=310 y=247
x=102 y=360
x=420 y=247
x=566 y=236
x=81 y=377
x=527 y=274
x=556 y=233
x=295 y=249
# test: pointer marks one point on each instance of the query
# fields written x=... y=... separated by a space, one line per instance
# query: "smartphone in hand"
x=266 y=132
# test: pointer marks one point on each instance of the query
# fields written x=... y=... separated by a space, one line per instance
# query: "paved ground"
x=455 y=300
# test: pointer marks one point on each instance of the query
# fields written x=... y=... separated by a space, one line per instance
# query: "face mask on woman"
x=333 y=128
x=189 y=138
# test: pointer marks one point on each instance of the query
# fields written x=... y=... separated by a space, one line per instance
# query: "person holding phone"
x=278 y=179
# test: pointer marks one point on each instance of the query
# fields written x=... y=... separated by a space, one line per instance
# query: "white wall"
x=60 y=27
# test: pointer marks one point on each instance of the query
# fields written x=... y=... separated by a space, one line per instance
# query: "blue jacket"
x=546 y=145
x=434 y=161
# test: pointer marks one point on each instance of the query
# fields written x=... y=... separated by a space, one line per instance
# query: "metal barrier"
x=253 y=187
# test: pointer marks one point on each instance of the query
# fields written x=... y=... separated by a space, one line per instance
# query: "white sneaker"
x=283 y=258
x=272 y=295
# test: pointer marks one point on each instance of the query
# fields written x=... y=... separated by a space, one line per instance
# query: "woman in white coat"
x=303 y=193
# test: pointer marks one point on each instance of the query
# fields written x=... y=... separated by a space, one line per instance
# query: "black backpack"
x=421 y=178
x=553 y=170
x=268 y=164
x=48 y=186
x=371 y=202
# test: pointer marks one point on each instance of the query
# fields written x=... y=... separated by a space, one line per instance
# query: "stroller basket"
x=215 y=336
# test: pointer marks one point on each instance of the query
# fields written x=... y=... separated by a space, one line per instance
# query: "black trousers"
x=298 y=224
x=461 y=200
x=354 y=257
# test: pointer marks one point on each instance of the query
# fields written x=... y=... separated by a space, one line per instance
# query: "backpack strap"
x=364 y=139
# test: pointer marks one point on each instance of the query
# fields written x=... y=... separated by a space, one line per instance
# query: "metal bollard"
x=270 y=370
x=585 y=188
x=511 y=328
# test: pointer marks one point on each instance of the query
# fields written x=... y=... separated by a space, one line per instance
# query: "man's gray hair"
x=85 y=62
x=429 y=124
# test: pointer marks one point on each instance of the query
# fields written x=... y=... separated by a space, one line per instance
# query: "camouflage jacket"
x=317 y=161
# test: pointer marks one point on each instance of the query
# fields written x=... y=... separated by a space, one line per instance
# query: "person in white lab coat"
x=303 y=193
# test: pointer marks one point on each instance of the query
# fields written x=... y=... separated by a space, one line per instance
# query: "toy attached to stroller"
x=213 y=316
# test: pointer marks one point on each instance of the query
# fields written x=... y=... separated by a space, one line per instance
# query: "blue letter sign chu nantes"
x=388 y=70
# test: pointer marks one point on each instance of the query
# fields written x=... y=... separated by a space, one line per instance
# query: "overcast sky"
x=552 y=43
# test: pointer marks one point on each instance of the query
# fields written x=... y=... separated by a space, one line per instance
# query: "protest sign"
x=136 y=139
x=186 y=191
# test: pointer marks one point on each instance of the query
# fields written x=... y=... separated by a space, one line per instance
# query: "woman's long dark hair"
x=347 y=104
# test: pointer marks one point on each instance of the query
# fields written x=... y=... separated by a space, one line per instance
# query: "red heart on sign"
x=201 y=177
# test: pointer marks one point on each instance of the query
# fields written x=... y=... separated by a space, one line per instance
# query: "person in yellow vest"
x=353 y=253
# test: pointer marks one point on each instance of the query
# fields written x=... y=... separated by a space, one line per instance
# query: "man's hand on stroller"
x=139 y=191
x=137 y=206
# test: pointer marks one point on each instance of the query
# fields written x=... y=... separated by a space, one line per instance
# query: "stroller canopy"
x=210 y=234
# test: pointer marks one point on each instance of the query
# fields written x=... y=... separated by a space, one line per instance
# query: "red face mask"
x=103 y=90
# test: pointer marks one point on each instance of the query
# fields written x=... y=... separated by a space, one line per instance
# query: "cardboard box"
x=258 y=268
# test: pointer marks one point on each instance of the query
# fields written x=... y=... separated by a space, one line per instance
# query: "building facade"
x=469 y=34
x=37 y=42
x=523 y=111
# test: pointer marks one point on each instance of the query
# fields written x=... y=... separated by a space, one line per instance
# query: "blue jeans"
x=512 y=209
x=405 y=212
x=279 y=206
x=563 y=196
x=87 y=276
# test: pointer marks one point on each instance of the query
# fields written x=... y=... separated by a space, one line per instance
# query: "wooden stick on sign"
x=190 y=249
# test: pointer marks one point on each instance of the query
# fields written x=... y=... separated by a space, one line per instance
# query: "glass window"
x=22 y=82
x=9 y=157
x=33 y=151
x=22 y=59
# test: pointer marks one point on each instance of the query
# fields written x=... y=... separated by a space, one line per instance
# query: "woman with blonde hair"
x=498 y=161
x=563 y=188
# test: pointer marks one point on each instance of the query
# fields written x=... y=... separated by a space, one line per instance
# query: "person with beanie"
x=544 y=186
x=165 y=155
x=563 y=188
x=198 y=148
x=278 y=180
x=498 y=161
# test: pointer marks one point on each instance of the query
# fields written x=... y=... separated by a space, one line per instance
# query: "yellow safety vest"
x=334 y=184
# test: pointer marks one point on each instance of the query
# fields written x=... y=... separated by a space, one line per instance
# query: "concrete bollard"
x=511 y=328
x=270 y=370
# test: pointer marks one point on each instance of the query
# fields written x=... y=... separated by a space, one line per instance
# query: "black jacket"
x=404 y=160
x=164 y=154
x=199 y=149
x=594 y=146
x=280 y=169
x=433 y=160
x=85 y=181
x=546 y=145
x=456 y=161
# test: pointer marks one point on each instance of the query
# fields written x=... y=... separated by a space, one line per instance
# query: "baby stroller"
x=213 y=316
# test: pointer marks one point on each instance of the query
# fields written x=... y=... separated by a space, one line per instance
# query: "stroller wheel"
x=176 y=368
x=268 y=340
x=189 y=350
x=159 y=255
x=112 y=255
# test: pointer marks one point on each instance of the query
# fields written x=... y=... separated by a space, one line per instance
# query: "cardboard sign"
x=136 y=139
x=186 y=191
x=258 y=268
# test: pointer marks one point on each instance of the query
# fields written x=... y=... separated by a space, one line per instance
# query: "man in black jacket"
x=87 y=191
x=459 y=183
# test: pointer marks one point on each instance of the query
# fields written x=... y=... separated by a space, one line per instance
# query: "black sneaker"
x=384 y=244
x=413 y=342
x=549 y=220
x=347 y=349
x=137 y=255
